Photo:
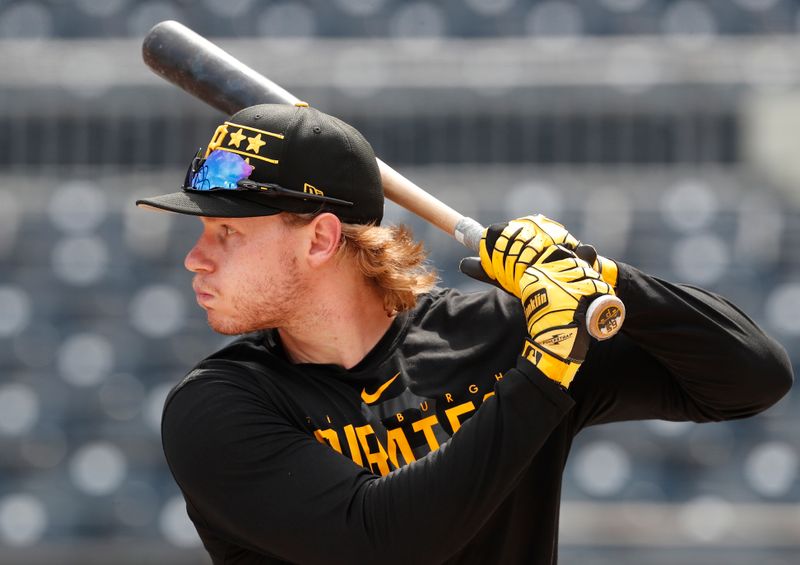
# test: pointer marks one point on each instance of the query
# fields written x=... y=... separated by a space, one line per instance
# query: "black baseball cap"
x=273 y=158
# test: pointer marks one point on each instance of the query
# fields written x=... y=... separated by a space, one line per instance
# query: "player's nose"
x=197 y=260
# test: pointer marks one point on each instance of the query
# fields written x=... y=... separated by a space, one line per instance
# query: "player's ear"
x=325 y=233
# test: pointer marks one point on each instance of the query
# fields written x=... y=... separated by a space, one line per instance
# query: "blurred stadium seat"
x=371 y=18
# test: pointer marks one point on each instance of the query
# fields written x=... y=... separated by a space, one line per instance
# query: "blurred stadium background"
x=665 y=132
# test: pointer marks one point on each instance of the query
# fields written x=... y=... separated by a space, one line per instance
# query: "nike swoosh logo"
x=369 y=398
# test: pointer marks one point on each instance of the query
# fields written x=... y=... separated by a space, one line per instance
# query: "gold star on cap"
x=255 y=144
x=236 y=138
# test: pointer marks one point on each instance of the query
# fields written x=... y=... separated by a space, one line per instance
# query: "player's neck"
x=340 y=329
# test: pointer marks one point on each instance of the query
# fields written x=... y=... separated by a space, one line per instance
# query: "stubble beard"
x=263 y=302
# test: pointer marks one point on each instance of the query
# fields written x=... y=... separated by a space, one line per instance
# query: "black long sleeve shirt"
x=441 y=446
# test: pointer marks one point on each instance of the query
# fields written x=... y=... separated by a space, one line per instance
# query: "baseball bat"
x=203 y=69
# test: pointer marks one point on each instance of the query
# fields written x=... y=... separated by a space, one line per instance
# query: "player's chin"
x=224 y=328
x=227 y=326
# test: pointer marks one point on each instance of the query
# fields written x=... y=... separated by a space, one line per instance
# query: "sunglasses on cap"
x=223 y=170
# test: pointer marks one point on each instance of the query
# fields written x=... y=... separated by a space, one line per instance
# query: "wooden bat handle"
x=405 y=193
x=203 y=69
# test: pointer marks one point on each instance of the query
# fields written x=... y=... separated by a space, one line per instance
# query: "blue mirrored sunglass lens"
x=222 y=169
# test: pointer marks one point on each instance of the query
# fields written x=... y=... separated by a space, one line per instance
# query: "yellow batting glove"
x=605 y=267
x=506 y=249
x=555 y=293
x=557 y=233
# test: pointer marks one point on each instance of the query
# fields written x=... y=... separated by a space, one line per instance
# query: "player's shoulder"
x=245 y=367
x=481 y=304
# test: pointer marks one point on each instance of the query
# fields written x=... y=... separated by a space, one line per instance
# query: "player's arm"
x=683 y=354
x=257 y=480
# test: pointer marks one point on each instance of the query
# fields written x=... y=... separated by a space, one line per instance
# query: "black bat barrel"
x=206 y=71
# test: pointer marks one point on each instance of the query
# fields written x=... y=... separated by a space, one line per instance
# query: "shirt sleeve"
x=683 y=354
x=252 y=477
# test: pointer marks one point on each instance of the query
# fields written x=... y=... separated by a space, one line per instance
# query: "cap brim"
x=211 y=205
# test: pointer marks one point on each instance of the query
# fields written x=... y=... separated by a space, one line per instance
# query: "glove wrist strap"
x=554 y=368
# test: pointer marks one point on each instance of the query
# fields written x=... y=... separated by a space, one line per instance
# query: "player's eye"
x=227 y=230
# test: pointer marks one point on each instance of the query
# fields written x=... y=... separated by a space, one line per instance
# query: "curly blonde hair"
x=387 y=256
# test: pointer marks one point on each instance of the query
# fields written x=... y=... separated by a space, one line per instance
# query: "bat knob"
x=604 y=316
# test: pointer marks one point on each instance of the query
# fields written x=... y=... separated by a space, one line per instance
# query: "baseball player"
x=366 y=416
